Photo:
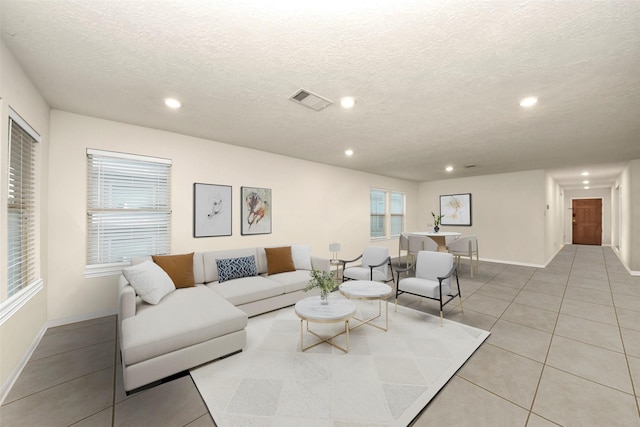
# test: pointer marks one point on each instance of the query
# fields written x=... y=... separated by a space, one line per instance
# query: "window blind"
x=378 y=212
x=397 y=213
x=128 y=207
x=22 y=254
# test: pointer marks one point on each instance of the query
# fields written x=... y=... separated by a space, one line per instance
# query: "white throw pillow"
x=150 y=281
x=301 y=255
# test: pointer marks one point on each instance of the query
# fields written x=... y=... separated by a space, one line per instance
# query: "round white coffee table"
x=337 y=310
x=368 y=290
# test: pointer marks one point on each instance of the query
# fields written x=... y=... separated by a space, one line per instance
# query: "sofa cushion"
x=279 y=260
x=247 y=289
x=183 y=318
x=292 y=280
x=150 y=281
x=301 y=255
x=234 y=268
x=178 y=267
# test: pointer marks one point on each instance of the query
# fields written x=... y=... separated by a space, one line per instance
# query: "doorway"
x=587 y=221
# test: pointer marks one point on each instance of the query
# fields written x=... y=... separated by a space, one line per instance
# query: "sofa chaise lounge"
x=206 y=320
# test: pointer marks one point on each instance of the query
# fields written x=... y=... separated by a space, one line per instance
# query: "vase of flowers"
x=436 y=221
x=324 y=281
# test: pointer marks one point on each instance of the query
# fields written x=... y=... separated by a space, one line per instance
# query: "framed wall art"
x=456 y=209
x=256 y=211
x=211 y=210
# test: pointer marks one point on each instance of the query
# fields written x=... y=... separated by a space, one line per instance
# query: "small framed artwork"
x=256 y=211
x=211 y=210
x=456 y=209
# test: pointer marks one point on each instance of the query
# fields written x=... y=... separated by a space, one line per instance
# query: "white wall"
x=508 y=213
x=18 y=333
x=592 y=193
x=554 y=232
x=629 y=213
x=311 y=203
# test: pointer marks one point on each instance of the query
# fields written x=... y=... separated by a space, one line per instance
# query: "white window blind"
x=397 y=213
x=22 y=253
x=128 y=209
x=378 y=199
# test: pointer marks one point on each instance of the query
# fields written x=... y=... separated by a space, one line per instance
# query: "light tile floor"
x=564 y=350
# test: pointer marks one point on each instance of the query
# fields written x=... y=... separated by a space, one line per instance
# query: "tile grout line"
x=624 y=348
x=544 y=364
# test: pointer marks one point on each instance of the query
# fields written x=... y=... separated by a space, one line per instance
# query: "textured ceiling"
x=435 y=82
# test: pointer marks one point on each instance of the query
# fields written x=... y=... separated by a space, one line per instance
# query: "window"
x=23 y=269
x=378 y=213
x=397 y=213
x=387 y=213
x=128 y=209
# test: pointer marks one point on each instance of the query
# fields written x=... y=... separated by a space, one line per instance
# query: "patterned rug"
x=385 y=379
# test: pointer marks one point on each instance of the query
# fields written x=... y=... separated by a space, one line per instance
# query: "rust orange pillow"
x=178 y=267
x=279 y=260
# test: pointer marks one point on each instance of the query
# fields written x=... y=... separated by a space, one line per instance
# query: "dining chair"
x=434 y=271
x=465 y=246
x=403 y=245
x=419 y=243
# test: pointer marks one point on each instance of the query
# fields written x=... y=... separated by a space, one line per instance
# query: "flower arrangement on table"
x=323 y=280
x=436 y=221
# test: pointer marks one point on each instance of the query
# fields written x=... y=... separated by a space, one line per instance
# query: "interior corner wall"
x=553 y=213
x=628 y=214
x=592 y=193
x=634 y=262
x=312 y=203
x=18 y=333
x=508 y=214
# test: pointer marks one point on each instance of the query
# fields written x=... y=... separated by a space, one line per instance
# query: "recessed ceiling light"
x=449 y=168
x=585 y=173
x=349 y=152
x=172 y=103
x=585 y=181
x=529 y=101
x=347 y=102
x=586 y=187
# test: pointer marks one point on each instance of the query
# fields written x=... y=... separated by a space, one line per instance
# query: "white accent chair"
x=434 y=271
x=375 y=266
x=465 y=246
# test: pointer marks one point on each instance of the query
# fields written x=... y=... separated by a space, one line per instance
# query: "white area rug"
x=386 y=379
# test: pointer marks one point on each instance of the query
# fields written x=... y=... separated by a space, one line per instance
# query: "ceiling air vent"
x=469 y=166
x=310 y=100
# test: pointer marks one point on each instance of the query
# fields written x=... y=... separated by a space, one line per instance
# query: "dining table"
x=440 y=237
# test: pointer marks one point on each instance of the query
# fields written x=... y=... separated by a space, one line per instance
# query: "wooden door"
x=587 y=221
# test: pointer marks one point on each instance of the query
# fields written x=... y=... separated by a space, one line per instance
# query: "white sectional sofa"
x=193 y=325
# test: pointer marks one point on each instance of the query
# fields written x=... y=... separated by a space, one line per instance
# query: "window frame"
x=401 y=215
x=33 y=283
x=377 y=215
x=103 y=210
x=388 y=214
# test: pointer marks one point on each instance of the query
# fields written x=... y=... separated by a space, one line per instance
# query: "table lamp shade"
x=334 y=247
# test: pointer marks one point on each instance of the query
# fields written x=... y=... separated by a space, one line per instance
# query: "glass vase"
x=324 y=297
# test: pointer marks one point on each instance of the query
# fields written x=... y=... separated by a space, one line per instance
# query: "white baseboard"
x=523 y=264
x=80 y=318
x=619 y=255
x=500 y=261
x=5 y=388
x=553 y=256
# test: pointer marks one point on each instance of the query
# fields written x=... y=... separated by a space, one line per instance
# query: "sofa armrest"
x=321 y=264
x=126 y=299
